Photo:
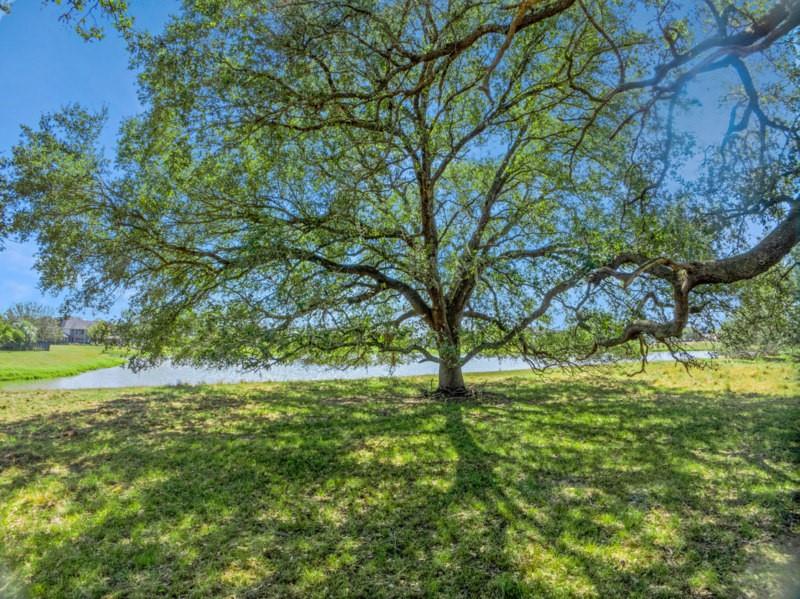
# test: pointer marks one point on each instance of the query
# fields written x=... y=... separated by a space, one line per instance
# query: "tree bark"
x=451 y=380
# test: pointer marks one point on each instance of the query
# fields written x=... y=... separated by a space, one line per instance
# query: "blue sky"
x=44 y=65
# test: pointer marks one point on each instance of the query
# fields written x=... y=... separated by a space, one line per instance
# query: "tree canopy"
x=87 y=16
x=766 y=314
x=47 y=327
x=350 y=182
x=10 y=334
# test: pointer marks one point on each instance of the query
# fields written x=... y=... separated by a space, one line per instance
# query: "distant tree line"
x=103 y=332
x=766 y=317
x=26 y=324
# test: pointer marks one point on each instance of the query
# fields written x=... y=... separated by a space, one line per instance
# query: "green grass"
x=692 y=346
x=632 y=348
x=61 y=360
x=572 y=485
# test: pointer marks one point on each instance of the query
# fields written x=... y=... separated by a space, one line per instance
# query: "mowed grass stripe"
x=61 y=360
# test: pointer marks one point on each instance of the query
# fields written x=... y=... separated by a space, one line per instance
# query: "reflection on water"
x=168 y=374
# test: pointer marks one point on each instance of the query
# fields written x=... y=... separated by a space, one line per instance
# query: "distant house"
x=76 y=330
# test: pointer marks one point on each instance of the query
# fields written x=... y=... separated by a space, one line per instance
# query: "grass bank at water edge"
x=61 y=360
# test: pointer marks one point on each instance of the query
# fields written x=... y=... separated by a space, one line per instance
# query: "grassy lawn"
x=572 y=485
x=692 y=346
x=61 y=360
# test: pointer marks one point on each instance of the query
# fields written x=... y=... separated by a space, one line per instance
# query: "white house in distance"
x=76 y=330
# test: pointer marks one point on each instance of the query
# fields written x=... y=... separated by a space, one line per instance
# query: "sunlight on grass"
x=590 y=484
x=61 y=360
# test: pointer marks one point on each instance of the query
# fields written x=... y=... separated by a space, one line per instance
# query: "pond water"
x=169 y=374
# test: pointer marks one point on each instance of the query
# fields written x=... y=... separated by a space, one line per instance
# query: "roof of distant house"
x=76 y=323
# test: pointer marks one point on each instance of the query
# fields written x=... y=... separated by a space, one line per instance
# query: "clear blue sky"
x=44 y=65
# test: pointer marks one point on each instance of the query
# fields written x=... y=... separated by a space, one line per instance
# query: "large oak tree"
x=356 y=181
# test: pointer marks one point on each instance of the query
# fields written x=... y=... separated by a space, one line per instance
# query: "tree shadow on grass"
x=569 y=489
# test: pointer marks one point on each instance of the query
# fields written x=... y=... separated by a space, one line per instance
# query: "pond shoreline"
x=61 y=361
x=168 y=375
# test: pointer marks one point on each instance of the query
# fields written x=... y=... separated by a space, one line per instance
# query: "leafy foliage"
x=389 y=181
x=102 y=332
x=86 y=16
x=48 y=327
x=767 y=318
x=28 y=330
x=10 y=333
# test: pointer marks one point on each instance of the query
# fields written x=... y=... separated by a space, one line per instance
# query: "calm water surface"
x=168 y=374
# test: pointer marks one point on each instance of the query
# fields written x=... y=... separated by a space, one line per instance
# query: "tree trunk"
x=451 y=380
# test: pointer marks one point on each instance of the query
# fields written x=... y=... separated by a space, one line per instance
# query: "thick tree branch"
x=366 y=270
x=684 y=277
x=523 y=324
